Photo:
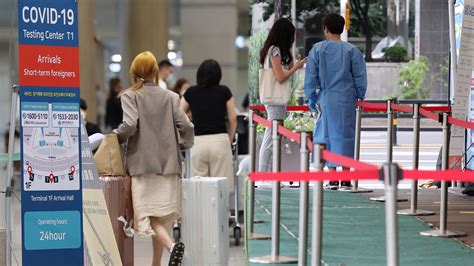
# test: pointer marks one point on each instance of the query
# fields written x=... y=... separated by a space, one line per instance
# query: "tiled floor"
x=143 y=253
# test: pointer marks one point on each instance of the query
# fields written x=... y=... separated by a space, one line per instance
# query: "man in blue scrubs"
x=335 y=78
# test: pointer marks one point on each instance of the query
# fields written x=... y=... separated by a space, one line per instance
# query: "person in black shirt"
x=215 y=121
x=91 y=128
x=114 y=113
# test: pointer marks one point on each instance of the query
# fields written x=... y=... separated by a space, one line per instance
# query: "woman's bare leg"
x=161 y=240
x=157 y=252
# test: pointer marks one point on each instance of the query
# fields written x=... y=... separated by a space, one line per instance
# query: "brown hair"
x=143 y=68
x=179 y=84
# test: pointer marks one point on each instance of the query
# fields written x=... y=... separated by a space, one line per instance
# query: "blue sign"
x=48 y=22
x=53 y=230
x=50 y=133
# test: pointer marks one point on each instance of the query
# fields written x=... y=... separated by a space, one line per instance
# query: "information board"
x=464 y=23
x=51 y=196
x=101 y=247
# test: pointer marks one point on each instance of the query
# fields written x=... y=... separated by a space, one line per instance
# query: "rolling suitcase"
x=117 y=193
x=205 y=221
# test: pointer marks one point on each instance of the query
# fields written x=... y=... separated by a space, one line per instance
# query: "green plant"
x=396 y=53
x=412 y=76
x=300 y=122
x=443 y=71
x=256 y=43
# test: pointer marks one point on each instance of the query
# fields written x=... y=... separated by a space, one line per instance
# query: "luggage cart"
x=237 y=227
x=187 y=175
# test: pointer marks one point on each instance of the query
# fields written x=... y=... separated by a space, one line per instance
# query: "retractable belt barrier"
x=443 y=175
x=382 y=107
x=390 y=173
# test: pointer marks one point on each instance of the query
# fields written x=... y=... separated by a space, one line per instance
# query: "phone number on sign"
x=35 y=116
x=66 y=116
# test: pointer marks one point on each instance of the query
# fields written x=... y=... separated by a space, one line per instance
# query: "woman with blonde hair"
x=152 y=123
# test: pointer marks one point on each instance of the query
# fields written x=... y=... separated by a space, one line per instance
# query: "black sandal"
x=332 y=185
x=177 y=253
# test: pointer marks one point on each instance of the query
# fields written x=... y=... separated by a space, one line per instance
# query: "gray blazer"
x=151 y=116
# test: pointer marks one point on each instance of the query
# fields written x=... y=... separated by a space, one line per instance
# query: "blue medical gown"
x=335 y=78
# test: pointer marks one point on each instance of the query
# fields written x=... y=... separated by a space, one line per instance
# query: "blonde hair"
x=144 y=67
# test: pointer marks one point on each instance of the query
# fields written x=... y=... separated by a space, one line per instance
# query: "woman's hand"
x=300 y=63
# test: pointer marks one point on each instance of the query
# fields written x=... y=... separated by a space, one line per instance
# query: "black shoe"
x=346 y=184
x=333 y=185
x=177 y=253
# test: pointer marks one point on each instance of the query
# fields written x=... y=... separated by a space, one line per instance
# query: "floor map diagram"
x=50 y=146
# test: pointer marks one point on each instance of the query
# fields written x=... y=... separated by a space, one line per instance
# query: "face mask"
x=170 y=79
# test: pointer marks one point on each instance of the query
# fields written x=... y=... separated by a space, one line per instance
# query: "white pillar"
x=203 y=38
x=343 y=14
x=417 y=29
x=453 y=52
x=293 y=19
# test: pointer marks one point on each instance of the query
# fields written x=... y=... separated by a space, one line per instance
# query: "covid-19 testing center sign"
x=51 y=198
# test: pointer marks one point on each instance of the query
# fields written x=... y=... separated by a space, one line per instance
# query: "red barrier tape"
x=315 y=176
x=445 y=175
x=262 y=121
x=402 y=108
x=460 y=123
x=289 y=134
x=424 y=112
x=372 y=107
x=446 y=108
x=346 y=161
x=342 y=160
x=303 y=108
x=282 y=130
x=449 y=175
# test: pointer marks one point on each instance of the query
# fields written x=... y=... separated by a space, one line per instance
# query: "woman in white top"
x=278 y=47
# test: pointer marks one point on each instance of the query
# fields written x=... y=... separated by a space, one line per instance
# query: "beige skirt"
x=155 y=196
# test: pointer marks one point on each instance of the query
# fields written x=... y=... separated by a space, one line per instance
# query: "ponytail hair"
x=144 y=68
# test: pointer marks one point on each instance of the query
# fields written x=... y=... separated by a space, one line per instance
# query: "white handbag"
x=271 y=91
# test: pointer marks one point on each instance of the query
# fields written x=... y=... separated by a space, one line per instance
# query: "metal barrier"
x=355 y=183
x=317 y=226
x=390 y=130
x=390 y=173
x=275 y=256
x=442 y=231
x=304 y=198
x=413 y=211
x=396 y=128
x=253 y=155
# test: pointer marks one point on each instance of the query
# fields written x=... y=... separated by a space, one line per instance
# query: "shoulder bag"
x=271 y=91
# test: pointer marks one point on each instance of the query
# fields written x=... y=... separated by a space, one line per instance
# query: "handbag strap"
x=266 y=63
x=176 y=132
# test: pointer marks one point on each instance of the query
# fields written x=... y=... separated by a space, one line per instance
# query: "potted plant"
x=396 y=53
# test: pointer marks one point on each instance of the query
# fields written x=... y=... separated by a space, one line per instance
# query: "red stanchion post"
x=416 y=157
x=253 y=158
x=443 y=214
x=317 y=226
